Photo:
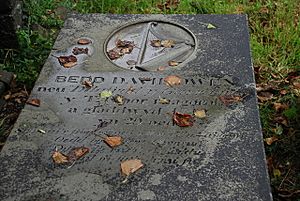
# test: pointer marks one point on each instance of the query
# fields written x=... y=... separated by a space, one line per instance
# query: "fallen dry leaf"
x=280 y=106
x=69 y=64
x=130 y=166
x=105 y=94
x=155 y=43
x=124 y=43
x=59 y=158
x=230 y=99
x=114 y=53
x=87 y=84
x=173 y=63
x=119 y=99
x=78 y=50
x=200 y=114
x=168 y=43
x=183 y=120
x=35 y=102
x=164 y=101
x=271 y=140
x=77 y=153
x=84 y=41
x=130 y=90
x=264 y=96
x=169 y=4
x=113 y=141
x=296 y=84
x=67 y=61
x=211 y=26
x=172 y=80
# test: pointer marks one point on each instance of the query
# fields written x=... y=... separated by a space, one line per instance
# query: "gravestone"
x=217 y=156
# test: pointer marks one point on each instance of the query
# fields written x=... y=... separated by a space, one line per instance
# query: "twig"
x=284 y=178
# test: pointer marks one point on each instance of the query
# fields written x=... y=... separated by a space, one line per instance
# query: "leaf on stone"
x=87 y=84
x=200 y=113
x=168 y=43
x=172 y=80
x=230 y=99
x=113 y=141
x=164 y=101
x=130 y=90
x=119 y=99
x=77 y=153
x=124 y=43
x=211 y=26
x=114 y=53
x=59 y=158
x=35 y=102
x=78 y=50
x=183 y=120
x=130 y=166
x=155 y=43
x=84 y=41
x=67 y=61
x=264 y=96
x=105 y=94
x=173 y=63
x=126 y=50
x=70 y=64
x=271 y=140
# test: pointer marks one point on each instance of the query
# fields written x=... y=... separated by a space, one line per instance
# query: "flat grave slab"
x=178 y=89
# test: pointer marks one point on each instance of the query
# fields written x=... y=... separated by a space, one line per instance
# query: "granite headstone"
x=217 y=157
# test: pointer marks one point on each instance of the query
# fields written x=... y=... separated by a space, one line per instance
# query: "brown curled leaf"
x=78 y=50
x=172 y=80
x=230 y=99
x=67 y=61
x=87 y=84
x=114 y=53
x=124 y=43
x=113 y=141
x=183 y=120
x=59 y=158
x=77 y=153
x=130 y=166
x=35 y=102
x=84 y=41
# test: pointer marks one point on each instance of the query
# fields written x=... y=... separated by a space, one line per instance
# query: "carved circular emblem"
x=150 y=46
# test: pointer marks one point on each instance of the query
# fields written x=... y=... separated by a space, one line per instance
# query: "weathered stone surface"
x=220 y=157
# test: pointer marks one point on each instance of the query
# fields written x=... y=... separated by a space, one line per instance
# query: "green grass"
x=275 y=44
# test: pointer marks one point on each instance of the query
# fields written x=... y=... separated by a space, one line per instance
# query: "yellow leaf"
x=200 y=114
